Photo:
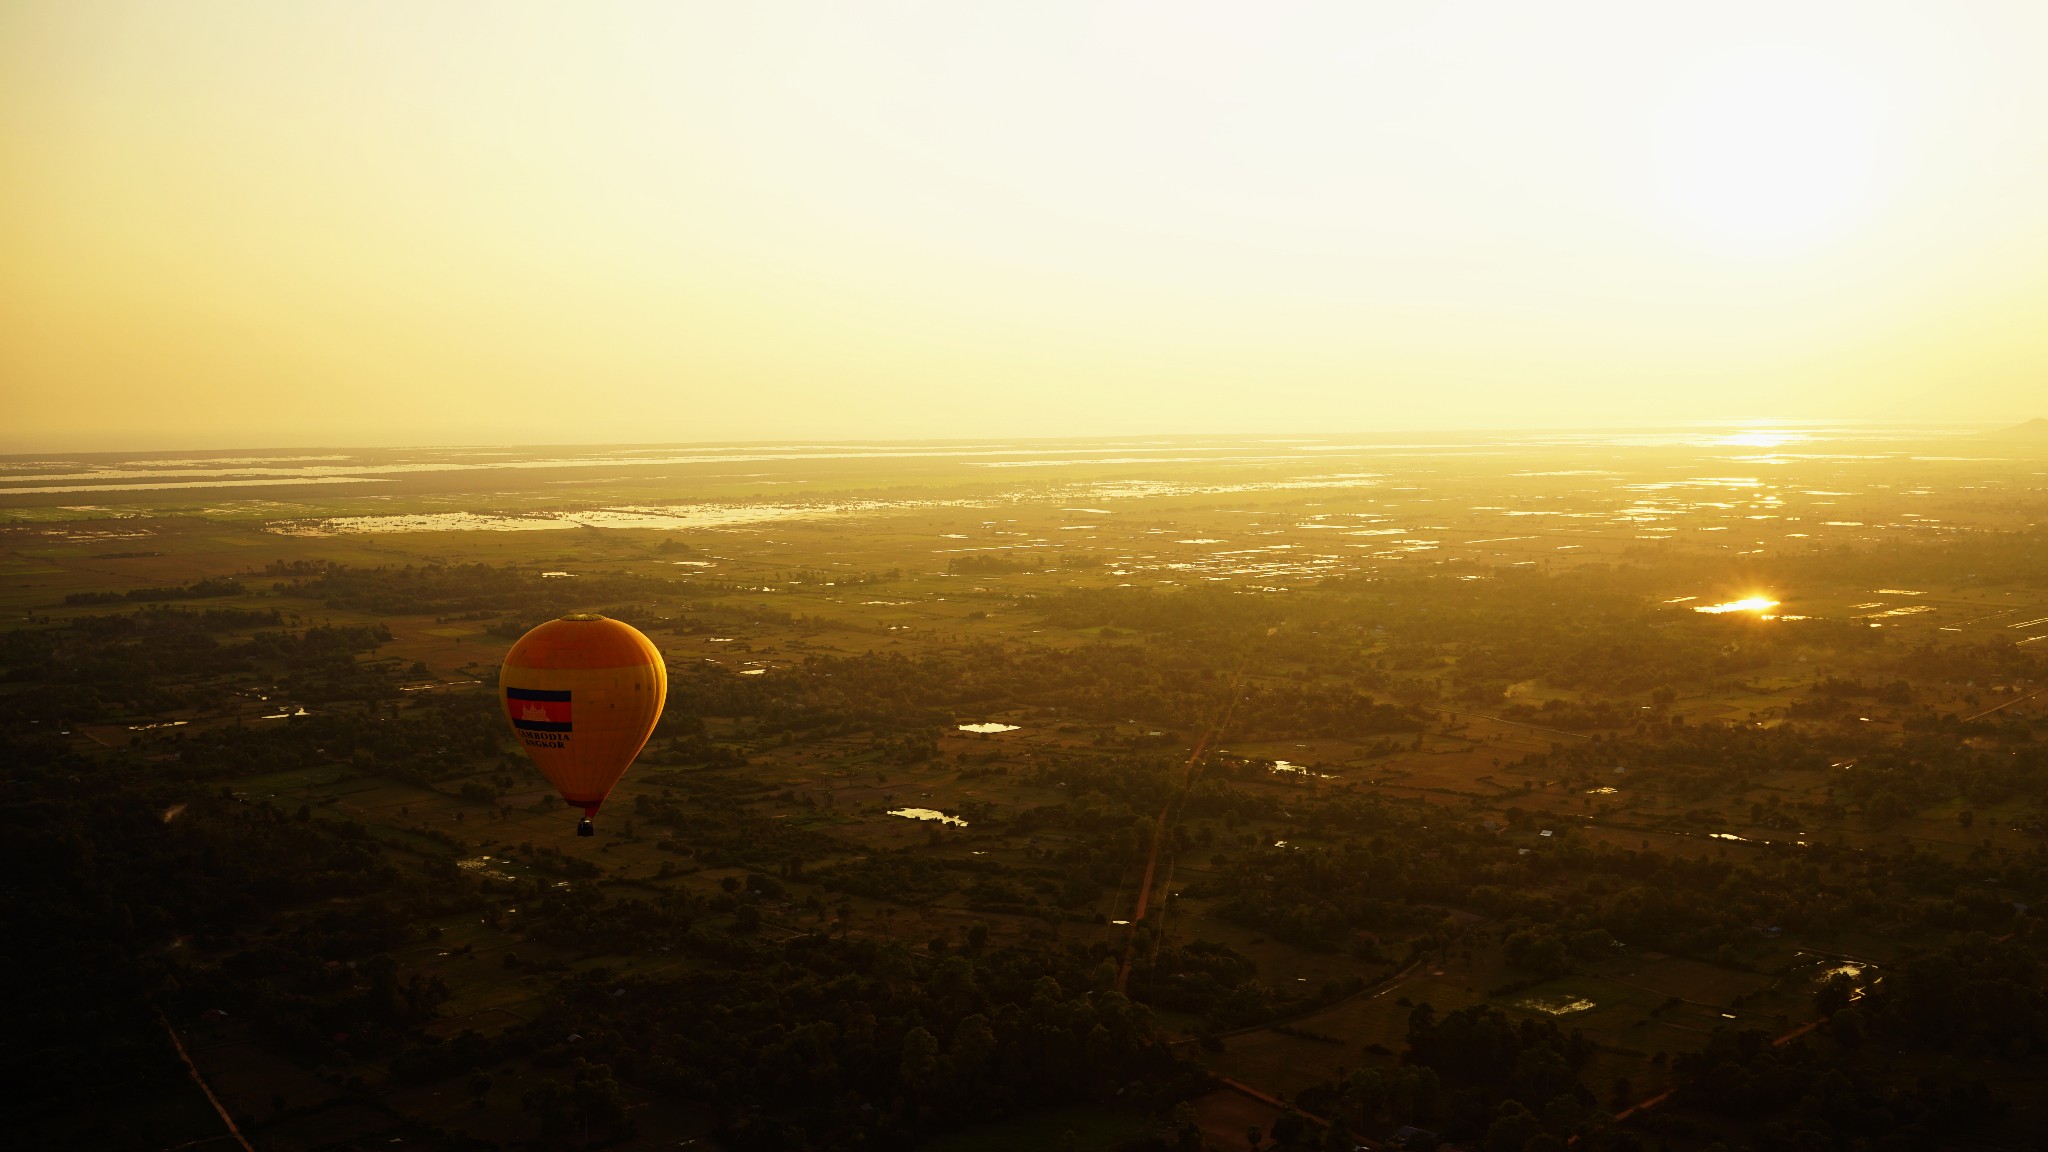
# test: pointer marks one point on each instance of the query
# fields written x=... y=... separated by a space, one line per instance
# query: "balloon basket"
x=586 y=828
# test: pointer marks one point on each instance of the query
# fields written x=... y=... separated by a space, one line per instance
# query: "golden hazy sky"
x=363 y=222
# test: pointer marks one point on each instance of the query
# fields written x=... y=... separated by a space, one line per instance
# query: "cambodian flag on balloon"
x=538 y=709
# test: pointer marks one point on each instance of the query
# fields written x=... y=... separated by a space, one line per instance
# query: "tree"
x=1847 y=1027
x=1834 y=995
x=973 y=1043
x=569 y=1111
x=1563 y=1114
x=920 y=1066
x=1512 y=1128
x=1367 y=1092
x=1539 y=952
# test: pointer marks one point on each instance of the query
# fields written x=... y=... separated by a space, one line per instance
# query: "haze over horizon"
x=233 y=224
x=353 y=457
x=1109 y=575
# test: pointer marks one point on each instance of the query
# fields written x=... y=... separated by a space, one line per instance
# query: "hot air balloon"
x=583 y=694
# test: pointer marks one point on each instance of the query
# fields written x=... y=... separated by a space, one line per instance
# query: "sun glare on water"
x=1760 y=438
x=1758 y=604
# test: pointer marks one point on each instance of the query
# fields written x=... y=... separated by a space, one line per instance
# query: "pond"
x=1820 y=969
x=987 y=726
x=1556 y=1006
x=1761 y=605
x=928 y=814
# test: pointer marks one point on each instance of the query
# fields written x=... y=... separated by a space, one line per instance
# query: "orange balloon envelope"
x=583 y=694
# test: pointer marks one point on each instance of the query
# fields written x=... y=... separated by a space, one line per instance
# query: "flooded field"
x=929 y=815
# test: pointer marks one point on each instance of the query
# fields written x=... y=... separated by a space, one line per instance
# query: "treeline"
x=439 y=589
x=109 y=876
x=1884 y=777
x=1477 y=1078
x=1095 y=683
x=197 y=590
x=1006 y=563
x=1978 y=998
x=1355 y=869
x=1980 y=559
x=862 y=1044
x=818 y=1043
x=437 y=737
x=721 y=830
x=153 y=660
x=1485 y=1080
x=1796 y=1098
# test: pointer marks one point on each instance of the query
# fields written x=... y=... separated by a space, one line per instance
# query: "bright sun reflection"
x=1760 y=438
x=1758 y=604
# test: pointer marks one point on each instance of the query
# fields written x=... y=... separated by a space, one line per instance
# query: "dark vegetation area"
x=155 y=883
